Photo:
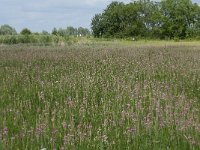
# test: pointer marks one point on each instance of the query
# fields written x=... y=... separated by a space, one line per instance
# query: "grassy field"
x=138 y=95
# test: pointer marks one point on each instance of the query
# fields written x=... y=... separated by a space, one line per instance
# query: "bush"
x=25 y=31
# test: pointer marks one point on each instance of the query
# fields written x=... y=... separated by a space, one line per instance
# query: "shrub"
x=25 y=31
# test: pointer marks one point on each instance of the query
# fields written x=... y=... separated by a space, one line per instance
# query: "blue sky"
x=39 y=15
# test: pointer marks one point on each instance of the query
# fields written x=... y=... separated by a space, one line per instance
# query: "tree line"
x=167 y=19
x=60 y=36
x=69 y=31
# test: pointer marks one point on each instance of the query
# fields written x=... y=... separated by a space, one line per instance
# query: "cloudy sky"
x=40 y=15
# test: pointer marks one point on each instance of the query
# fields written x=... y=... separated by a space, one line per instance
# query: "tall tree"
x=112 y=18
x=97 y=25
x=178 y=16
x=146 y=18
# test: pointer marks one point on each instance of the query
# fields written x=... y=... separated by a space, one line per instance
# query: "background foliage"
x=168 y=19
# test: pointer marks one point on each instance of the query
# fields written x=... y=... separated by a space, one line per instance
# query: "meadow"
x=100 y=95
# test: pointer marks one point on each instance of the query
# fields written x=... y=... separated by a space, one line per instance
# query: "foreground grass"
x=98 y=96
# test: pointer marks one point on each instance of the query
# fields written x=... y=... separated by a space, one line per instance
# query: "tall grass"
x=100 y=97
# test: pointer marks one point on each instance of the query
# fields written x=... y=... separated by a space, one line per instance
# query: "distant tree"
x=83 y=31
x=86 y=32
x=36 y=33
x=54 y=31
x=7 y=30
x=44 y=32
x=71 y=31
x=61 y=32
x=25 y=31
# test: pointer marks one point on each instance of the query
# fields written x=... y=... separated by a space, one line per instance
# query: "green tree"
x=7 y=30
x=97 y=26
x=150 y=16
x=83 y=31
x=146 y=18
x=54 y=31
x=112 y=18
x=44 y=32
x=193 y=22
x=131 y=24
x=71 y=31
x=25 y=31
x=61 y=32
x=178 y=17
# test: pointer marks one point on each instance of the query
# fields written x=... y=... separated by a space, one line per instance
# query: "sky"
x=38 y=15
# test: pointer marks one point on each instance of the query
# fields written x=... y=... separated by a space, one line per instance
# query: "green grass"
x=100 y=95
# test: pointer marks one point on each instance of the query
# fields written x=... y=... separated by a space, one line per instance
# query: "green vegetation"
x=40 y=39
x=101 y=95
x=70 y=35
x=67 y=90
x=167 y=19
x=25 y=31
x=71 y=31
x=7 y=30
